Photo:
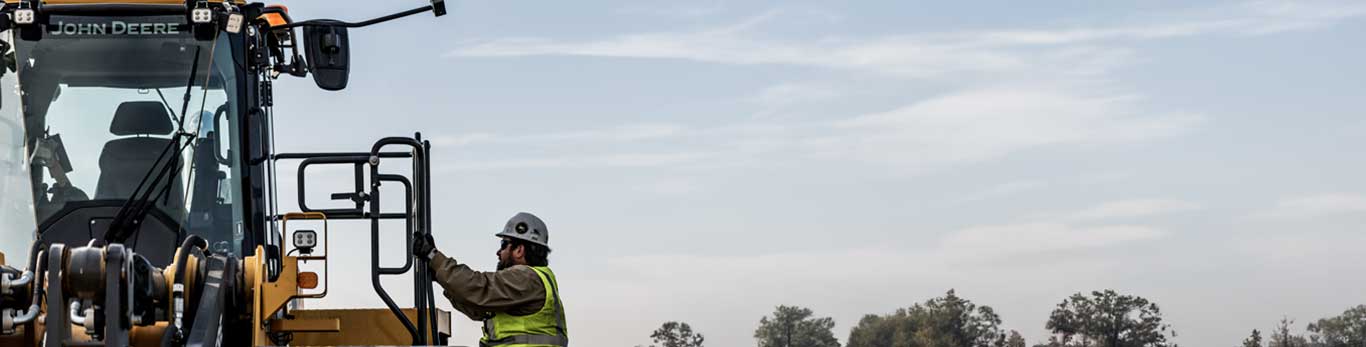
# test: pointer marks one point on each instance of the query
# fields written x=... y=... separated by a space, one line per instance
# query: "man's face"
x=506 y=256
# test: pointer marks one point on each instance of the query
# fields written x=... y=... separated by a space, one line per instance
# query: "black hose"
x=40 y=278
x=181 y=254
x=33 y=255
x=35 y=262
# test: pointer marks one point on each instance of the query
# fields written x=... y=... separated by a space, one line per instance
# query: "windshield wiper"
x=135 y=210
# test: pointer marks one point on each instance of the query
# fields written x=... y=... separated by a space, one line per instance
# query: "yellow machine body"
x=270 y=311
x=149 y=2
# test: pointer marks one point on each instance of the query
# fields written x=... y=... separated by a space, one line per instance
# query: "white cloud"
x=1062 y=232
x=1301 y=15
x=1064 y=50
x=690 y=9
x=896 y=56
x=462 y=140
x=989 y=123
x=1042 y=237
x=957 y=128
x=1110 y=177
x=784 y=97
x=668 y=187
x=1046 y=106
x=1133 y=209
x=1317 y=206
x=999 y=190
x=598 y=160
x=624 y=133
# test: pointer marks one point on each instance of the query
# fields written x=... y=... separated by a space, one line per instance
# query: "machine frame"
x=118 y=298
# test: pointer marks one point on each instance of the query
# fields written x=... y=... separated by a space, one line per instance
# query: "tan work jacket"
x=516 y=290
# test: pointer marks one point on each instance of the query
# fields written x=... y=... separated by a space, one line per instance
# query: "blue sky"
x=706 y=161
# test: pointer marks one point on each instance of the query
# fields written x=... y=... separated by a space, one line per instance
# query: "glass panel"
x=113 y=104
x=16 y=206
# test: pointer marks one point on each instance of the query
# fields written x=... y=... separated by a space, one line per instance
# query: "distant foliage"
x=676 y=334
x=949 y=320
x=1108 y=319
x=1253 y=341
x=1282 y=337
x=793 y=326
x=1015 y=340
x=1346 y=330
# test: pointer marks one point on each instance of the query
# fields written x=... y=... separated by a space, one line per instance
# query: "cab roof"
x=138 y=2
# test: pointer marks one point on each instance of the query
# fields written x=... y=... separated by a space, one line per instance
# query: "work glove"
x=424 y=247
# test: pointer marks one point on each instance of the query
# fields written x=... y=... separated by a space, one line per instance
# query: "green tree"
x=793 y=326
x=676 y=334
x=1108 y=319
x=1282 y=337
x=883 y=331
x=1015 y=340
x=949 y=320
x=1346 y=330
x=1054 y=341
x=953 y=321
x=1253 y=341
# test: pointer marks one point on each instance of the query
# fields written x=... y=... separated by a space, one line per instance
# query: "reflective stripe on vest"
x=546 y=327
x=529 y=340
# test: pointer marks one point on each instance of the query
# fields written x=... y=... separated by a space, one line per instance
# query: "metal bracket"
x=439 y=7
x=330 y=325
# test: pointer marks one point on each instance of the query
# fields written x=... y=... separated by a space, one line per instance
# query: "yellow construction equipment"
x=137 y=170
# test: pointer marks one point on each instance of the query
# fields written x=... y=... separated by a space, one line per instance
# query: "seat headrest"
x=141 y=118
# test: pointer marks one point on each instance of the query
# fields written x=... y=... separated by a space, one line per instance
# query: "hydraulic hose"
x=32 y=313
x=26 y=316
x=33 y=255
x=23 y=280
x=181 y=254
x=178 y=291
x=76 y=317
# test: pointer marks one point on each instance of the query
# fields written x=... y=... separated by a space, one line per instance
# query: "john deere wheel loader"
x=138 y=200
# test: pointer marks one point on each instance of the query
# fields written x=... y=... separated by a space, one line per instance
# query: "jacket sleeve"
x=516 y=290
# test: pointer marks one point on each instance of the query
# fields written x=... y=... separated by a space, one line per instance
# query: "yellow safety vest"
x=545 y=328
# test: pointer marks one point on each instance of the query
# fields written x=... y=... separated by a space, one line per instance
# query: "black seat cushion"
x=125 y=162
x=141 y=118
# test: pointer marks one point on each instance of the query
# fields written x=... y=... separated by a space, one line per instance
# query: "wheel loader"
x=139 y=200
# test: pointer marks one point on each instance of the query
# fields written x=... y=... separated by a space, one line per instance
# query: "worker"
x=520 y=303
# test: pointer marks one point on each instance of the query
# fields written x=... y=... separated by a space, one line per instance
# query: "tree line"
x=1098 y=319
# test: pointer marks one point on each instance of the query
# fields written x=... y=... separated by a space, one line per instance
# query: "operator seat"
x=126 y=161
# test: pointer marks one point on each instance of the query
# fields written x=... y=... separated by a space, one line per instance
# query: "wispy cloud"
x=691 y=9
x=999 y=190
x=1317 y=206
x=599 y=160
x=896 y=56
x=989 y=123
x=1042 y=237
x=1101 y=225
x=1133 y=209
x=1077 y=49
x=777 y=99
x=623 y=133
x=1035 y=90
x=962 y=127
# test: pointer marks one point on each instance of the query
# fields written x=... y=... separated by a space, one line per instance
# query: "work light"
x=24 y=16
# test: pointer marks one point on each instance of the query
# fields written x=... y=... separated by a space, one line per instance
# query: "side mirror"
x=328 y=54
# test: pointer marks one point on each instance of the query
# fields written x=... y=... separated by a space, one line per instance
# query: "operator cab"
x=122 y=108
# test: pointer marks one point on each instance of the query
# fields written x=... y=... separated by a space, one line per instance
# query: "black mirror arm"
x=438 y=7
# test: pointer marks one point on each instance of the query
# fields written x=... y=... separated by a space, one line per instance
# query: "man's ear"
x=519 y=252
